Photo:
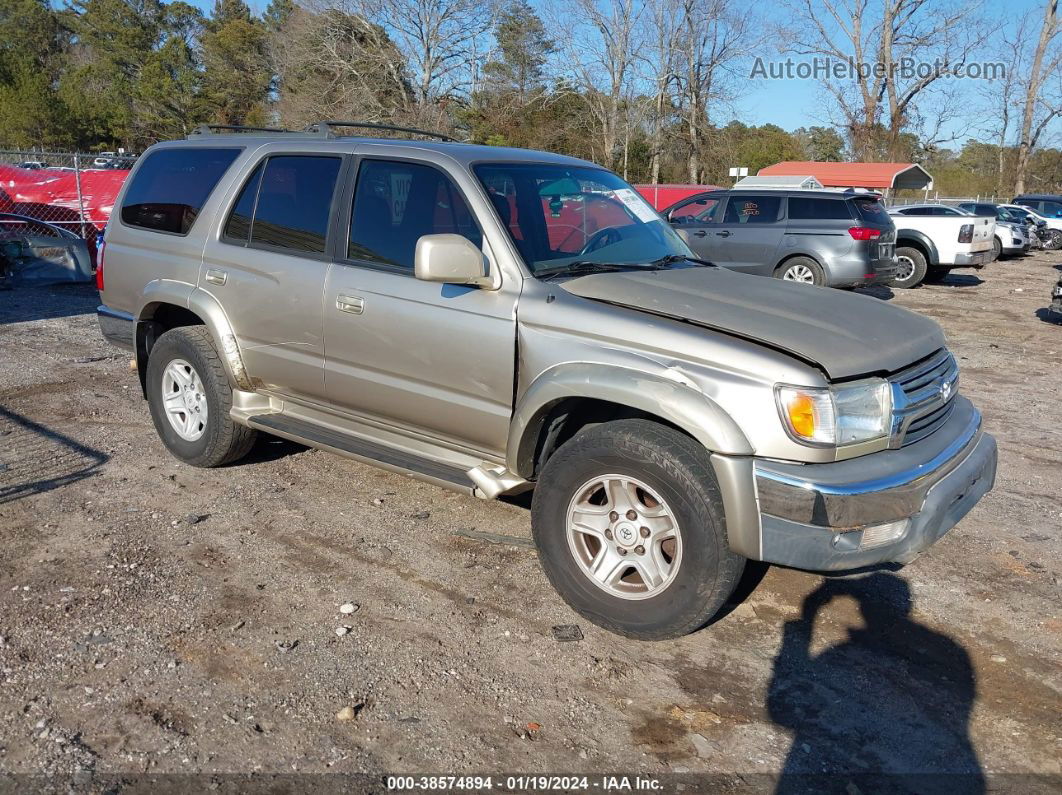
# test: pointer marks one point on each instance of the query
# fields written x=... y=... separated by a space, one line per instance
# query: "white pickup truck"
x=928 y=246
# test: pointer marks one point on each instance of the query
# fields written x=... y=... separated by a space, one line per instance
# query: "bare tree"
x=714 y=38
x=439 y=38
x=598 y=53
x=332 y=63
x=1041 y=103
x=900 y=48
x=659 y=64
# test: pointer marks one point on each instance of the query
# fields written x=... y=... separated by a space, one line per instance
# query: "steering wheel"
x=601 y=238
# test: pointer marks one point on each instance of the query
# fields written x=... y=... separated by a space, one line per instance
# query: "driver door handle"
x=724 y=233
x=700 y=233
x=350 y=303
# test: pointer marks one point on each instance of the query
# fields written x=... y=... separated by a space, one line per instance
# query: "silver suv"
x=492 y=320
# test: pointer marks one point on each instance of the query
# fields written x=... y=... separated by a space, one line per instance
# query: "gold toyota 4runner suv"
x=492 y=320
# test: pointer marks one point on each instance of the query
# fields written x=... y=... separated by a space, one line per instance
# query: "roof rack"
x=324 y=128
x=209 y=129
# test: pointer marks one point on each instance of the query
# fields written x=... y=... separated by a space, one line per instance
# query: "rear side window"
x=805 y=208
x=871 y=211
x=286 y=203
x=171 y=186
x=749 y=209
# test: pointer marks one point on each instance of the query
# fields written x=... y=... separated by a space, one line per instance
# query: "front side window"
x=396 y=203
x=172 y=185
x=558 y=215
x=752 y=209
x=1051 y=209
x=695 y=211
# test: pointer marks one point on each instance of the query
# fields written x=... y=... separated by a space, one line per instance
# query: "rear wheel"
x=912 y=268
x=190 y=398
x=630 y=529
x=803 y=270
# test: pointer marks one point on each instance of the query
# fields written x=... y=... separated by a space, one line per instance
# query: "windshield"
x=560 y=216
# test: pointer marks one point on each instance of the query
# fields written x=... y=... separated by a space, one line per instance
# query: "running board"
x=400 y=461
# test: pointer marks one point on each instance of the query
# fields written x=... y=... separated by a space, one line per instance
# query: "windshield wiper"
x=673 y=258
x=583 y=267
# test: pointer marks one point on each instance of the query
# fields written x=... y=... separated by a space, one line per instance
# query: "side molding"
x=668 y=395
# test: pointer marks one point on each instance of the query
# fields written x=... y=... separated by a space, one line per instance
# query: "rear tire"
x=913 y=268
x=190 y=398
x=613 y=498
x=803 y=270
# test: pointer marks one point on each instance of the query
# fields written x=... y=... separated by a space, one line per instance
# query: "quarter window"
x=238 y=227
x=805 y=208
x=172 y=185
x=396 y=203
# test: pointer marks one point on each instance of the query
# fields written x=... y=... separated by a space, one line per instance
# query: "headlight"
x=836 y=416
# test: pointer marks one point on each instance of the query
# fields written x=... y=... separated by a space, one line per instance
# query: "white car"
x=929 y=244
x=1012 y=233
x=1049 y=229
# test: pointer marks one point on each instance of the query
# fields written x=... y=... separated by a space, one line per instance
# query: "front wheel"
x=629 y=525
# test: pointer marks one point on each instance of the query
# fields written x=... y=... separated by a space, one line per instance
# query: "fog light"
x=883 y=533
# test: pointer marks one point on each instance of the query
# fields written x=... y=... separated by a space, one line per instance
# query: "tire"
x=1053 y=240
x=674 y=476
x=215 y=440
x=802 y=270
x=913 y=268
x=997 y=249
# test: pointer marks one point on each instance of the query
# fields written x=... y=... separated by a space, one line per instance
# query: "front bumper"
x=884 y=507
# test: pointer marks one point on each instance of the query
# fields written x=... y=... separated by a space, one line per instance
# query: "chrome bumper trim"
x=845 y=504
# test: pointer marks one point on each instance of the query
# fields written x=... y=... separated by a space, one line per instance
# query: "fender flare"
x=668 y=395
x=923 y=240
x=207 y=308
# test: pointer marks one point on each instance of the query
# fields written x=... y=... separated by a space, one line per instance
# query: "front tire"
x=912 y=270
x=189 y=397
x=629 y=525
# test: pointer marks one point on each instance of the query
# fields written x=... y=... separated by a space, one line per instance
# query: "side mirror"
x=451 y=259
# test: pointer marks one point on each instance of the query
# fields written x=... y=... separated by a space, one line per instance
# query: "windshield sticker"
x=637 y=205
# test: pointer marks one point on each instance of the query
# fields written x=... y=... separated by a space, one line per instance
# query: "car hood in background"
x=845 y=334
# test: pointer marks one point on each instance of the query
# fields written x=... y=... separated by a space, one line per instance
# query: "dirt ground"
x=156 y=618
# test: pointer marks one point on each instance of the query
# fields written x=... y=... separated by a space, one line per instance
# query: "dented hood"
x=843 y=333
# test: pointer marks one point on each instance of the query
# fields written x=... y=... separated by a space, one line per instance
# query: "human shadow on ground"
x=887 y=709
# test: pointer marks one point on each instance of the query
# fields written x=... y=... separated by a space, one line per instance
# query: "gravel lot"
x=156 y=618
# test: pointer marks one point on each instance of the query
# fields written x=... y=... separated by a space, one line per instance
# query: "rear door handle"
x=350 y=303
x=216 y=276
x=700 y=233
x=724 y=233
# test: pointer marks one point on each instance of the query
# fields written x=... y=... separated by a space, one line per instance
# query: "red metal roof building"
x=876 y=176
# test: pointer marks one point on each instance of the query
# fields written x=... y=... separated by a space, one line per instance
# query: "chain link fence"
x=69 y=190
x=936 y=198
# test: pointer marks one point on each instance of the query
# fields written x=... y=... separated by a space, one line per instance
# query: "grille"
x=923 y=397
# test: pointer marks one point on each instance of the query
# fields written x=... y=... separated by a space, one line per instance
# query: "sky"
x=797 y=103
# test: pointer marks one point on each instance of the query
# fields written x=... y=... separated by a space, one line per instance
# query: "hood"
x=845 y=334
